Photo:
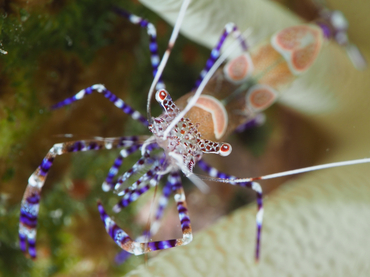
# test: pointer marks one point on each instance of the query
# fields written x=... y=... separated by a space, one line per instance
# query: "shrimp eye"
x=161 y=95
x=225 y=149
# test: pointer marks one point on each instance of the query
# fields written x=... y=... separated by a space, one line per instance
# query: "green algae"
x=56 y=48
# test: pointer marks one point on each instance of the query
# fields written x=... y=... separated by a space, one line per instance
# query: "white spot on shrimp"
x=151 y=30
x=99 y=88
x=179 y=197
x=108 y=223
x=135 y=19
x=229 y=27
x=187 y=238
x=32 y=209
x=105 y=187
x=154 y=228
x=136 y=250
x=136 y=115
x=163 y=201
x=80 y=94
x=57 y=149
x=124 y=153
x=338 y=20
x=256 y=187
x=34 y=181
x=108 y=145
x=119 y=103
x=215 y=53
x=259 y=217
x=113 y=171
x=153 y=182
x=213 y=172
x=155 y=60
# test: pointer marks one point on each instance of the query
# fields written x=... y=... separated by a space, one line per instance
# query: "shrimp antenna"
x=166 y=55
x=204 y=82
x=286 y=173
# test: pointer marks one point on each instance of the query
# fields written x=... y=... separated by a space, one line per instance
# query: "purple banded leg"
x=131 y=194
x=31 y=197
x=124 y=153
x=139 y=165
x=148 y=176
x=173 y=182
x=257 y=121
x=173 y=178
x=119 y=103
x=109 y=183
x=229 y=28
x=137 y=248
x=153 y=45
x=335 y=26
x=213 y=172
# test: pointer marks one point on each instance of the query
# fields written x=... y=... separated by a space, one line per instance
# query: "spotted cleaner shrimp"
x=186 y=137
x=183 y=132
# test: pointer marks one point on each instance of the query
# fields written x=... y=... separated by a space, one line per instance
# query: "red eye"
x=161 y=95
x=225 y=149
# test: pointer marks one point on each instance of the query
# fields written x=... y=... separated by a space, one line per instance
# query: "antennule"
x=287 y=173
x=166 y=55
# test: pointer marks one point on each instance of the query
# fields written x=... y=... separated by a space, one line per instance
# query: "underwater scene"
x=277 y=86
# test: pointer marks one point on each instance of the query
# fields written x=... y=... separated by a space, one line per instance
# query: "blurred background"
x=55 y=49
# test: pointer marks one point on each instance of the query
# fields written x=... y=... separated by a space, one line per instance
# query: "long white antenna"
x=286 y=173
x=166 y=54
x=204 y=82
